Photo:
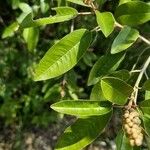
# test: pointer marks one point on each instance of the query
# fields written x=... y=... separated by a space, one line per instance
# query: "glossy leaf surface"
x=106 y=22
x=62 y=14
x=146 y=85
x=126 y=37
x=145 y=106
x=9 y=31
x=116 y=90
x=82 y=107
x=105 y=65
x=82 y=132
x=96 y=93
x=31 y=36
x=133 y=13
x=63 y=55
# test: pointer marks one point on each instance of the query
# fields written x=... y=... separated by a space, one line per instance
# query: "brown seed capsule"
x=132 y=127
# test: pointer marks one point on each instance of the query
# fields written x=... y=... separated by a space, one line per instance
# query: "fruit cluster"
x=132 y=126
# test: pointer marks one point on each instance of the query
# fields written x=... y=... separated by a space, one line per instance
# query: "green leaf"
x=82 y=132
x=145 y=106
x=63 y=55
x=146 y=121
x=105 y=65
x=116 y=90
x=79 y=2
x=96 y=93
x=122 y=142
x=82 y=108
x=62 y=14
x=25 y=7
x=44 y=6
x=106 y=22
x=147 y=95
x=15 y=4
x=146 y=85
x=147 y=139
x=126 y=37
x=121 y=74
x=124 y=1
x=9 y=31
x=133 y=13
x=31 y=36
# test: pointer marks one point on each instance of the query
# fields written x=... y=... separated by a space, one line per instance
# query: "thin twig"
x=136 y=86
x=96 y=29
x=133 y=71
x=72 y=26
x=85 y=13
x=146 y=75
x=134 y=66
x=144 y=39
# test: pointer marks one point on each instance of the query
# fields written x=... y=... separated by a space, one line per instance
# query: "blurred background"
x=26 y=120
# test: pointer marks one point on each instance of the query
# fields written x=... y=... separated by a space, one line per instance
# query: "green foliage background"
x=27 y=103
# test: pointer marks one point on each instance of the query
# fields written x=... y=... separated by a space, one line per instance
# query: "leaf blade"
x=105 y=65
x=80 y=134
x=64 y=55
x=145 y=106
x=31 y=36
x=126 y=37
x=116 y=90
x=62 y=14
x=106 y=22
x=133 y=13
x=82 y=108
x=146 y=85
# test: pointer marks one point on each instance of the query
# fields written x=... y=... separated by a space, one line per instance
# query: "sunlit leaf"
x=79 y=2
x=105 y=65
x=31 y=36
x=146 y=121
x=126 y=37
x=116 y=90
x=106 y=22
x=133 y=13
x=96 y=93
x=83 y=132
x=145 y=106
x=63 y=55
x=62 y=14
x=147 y=95
x=25 y=7
x=10 y=30
x=121 y=74
x=82 y=108
x=124 y=1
